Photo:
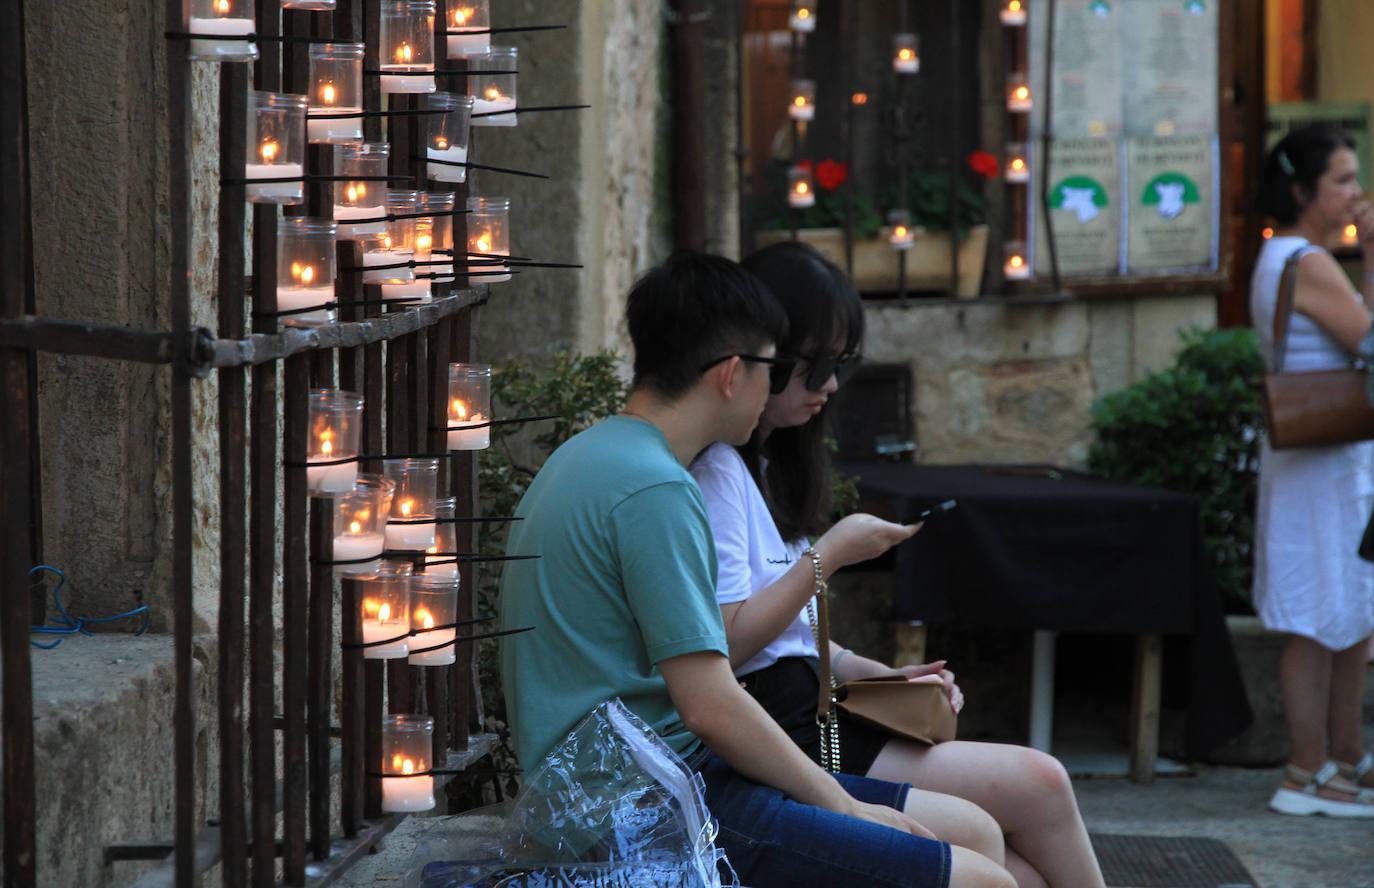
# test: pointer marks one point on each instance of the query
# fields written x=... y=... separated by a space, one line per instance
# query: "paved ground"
x=1229 y=804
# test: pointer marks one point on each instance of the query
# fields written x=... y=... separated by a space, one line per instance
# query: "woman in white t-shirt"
x=766 y=500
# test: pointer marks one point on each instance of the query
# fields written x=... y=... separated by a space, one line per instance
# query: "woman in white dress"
x=1314 y=502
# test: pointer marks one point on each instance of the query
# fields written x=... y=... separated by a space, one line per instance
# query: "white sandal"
x=1355 y=773
x=1307 y=801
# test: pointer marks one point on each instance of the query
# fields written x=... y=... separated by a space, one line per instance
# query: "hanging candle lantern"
x=803 y=17
x=336 y=87
x=360 y=199
x=403 y=234
x=411 y=525
x=1018 y=94
x=493 y=93
x=385 y=611
x=276 y=147
x=1016 y=169
x=802 y=104
x=469 y=404
x=445 y=540
x=1013 y=13
x=305 y=271
x=900 y=236
x=440 y=203
x=488 y=239
x=360 y=524
x=407 y=746
x=801 y=191
x=906 y=53
x=222 y=18
x=335 y=430
x=407 y=46
x=469 y=28
x=1015 y=266
x=448 y=135
x=433 y=603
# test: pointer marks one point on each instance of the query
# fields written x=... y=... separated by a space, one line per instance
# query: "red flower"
x=984 y=164
x=831 y=174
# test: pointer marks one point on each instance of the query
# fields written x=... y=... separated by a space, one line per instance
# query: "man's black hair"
x=693 y=309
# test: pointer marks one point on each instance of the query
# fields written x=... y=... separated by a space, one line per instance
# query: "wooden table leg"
x=1149 y=662
x=911 y=643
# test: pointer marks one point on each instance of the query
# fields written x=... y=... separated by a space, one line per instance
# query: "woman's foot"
x=1324 y=792
x=1361 y=773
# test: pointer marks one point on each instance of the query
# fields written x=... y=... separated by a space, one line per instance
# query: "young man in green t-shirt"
x=623 y=600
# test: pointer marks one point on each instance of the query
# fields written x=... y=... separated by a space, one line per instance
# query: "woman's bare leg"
x=1027 y=792
x=1343 y=722
x=957 y=821
x=1305 y=680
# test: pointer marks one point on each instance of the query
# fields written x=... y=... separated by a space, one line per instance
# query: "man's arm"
x=733 y=725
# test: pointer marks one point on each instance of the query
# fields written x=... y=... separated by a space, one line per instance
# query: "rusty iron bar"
x=295 y=612
x=437 y=677
x=688 y=24
x=233 y=441
x=462 y=348
x=320 y=680
x=16 y=465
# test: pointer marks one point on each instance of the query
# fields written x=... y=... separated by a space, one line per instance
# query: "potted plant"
x=876 y=262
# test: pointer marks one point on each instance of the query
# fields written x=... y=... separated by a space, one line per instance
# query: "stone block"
x=1156 y=326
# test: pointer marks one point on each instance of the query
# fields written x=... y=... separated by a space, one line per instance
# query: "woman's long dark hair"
x=822 y=307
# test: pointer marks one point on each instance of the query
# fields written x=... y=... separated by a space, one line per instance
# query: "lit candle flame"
x=396 y=761
x=327 y=93
x=304 y=274
x=404 y=54
x=803 y=13
x=355 y=527
x=269 y=151
x=900 y=231
x=458 y=410
x=1013 y=5
x=1351 y=234
x=492 y=93
x=484 y=242
x=223 y=7
x=461 y=15
x=386 y=241
x=407 y=767
x=799 y=101
x=1267 y=233
x=425 y=617
x=1016 y=262
x=905 y=54
x=802 y=188
x=327 y=447
x=383 y=613
x=859 y=98
x=406 y=506
x=1021 y=93
x=441 y=143
x=370 y=606
x=355 y=191
x=424 y=242
x=1018 y=164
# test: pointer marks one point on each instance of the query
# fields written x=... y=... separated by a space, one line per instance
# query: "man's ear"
x=727 y=377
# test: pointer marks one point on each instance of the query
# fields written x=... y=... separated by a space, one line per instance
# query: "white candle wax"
x=377 y=630
x=1016 y=271
x=803 y=25
x=907 y=66
x=409 y=537
x=334 y=130
x=347 y=232
x=416 y=292
x=387 y=257
x=339 y=478
x=469 y=439
x=1014 y=18
x=401 y=82
x=407 y=794
x=304 y=297
x=350 y=546
x=226 y=27
x=490 y=106
x=801 y=201
x=443 y=172
x=801 y=112
x=1018 y=104
x=275 y=192
x=486 y=273
x=441 y=657
x=440 y=570
x=901 y=241
x=472 y=42
x=1018 y=175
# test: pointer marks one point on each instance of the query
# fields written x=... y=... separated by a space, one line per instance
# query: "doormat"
x=1155 y=862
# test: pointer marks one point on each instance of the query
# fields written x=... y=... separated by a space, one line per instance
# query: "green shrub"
x=1195 y=428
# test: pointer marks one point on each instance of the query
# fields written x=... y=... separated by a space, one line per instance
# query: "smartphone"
x=937 y=509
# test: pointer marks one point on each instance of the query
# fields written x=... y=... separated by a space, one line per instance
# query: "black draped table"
x=1038 y=548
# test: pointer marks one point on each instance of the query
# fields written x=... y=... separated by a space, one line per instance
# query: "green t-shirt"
x=627 y=579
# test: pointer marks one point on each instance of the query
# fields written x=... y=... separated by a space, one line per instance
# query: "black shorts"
x=787 y=690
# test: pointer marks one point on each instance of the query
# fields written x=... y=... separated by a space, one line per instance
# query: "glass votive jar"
x=469 y=28
x=336 y=419
x=276 y=147
x=360 y=525
x=442 y=203
x=433 y=602
x=802 y=104
x=310 y=5
x=222 y=18
x=1016 y=167
x=906 y=54
x=469 y=406
x=360 y=199
x=383 y=264
x=488 y=221
x=402 y=283
x=1013 y=13
x=900 y=234
x=305 y=271
x=438 y=561
x=411 y=525
x=407 y=746
x=493 y=94
x=801 y=191
x=406 y=33
x=1015 y=265
x=803 y=17
x=1018 y=93
x=385 y=611
x=336 y=87
x=448 y=135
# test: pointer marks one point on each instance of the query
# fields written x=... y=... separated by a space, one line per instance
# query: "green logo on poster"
x=1196 y=7
x=1100 y=7
x=1080 y=195
x=1170 y=193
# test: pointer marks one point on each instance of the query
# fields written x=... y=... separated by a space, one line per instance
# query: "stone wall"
x=1013 y=382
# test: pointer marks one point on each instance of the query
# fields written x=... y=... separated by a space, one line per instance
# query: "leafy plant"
x=1195 y=428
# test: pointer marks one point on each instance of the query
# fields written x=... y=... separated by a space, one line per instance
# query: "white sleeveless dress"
x=1313 y=502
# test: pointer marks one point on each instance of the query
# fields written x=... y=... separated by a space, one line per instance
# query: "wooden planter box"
x=875 y=262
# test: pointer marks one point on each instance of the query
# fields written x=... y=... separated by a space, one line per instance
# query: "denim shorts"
x=774 y=841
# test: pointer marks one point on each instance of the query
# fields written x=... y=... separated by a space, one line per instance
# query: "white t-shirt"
x=750 y=552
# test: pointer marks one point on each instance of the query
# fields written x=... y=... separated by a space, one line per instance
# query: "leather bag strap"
x=824 y=703
x=1283 y=308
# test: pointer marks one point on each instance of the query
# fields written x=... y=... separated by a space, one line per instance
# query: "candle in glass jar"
x=803 y=18
x=384 y=258
x=397 y=80
x=473 y=39
x=434 y=568
x=801 y=196
x=300 y=294
x=268 y=169
x=407 y=794
x=1016 y=268
x=483 y=243
x=1019 y=98
x=414 y=292
x=339 y=478
x=1018 y=171
x=379 y=624
x=358 y=543
x=467 y=438
x=1013 y=13
x=332 y=129
x=409 y=537
x=429 y=637
x=223 y=26
x=1350 y=236
x=492 y=101
x=441 y=150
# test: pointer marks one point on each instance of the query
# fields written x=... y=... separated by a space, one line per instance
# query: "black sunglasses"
x=820 y=368
x=779 y=369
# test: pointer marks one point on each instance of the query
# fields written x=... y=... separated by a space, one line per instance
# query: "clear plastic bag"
x=610 y=806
